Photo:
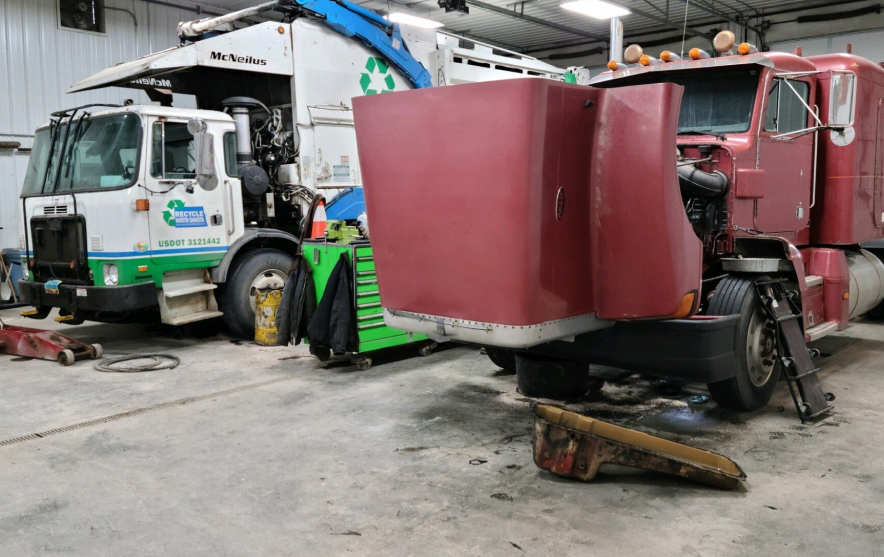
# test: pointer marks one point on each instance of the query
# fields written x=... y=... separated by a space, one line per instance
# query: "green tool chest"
x=373 y=333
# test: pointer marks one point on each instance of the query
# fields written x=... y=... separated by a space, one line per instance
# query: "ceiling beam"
x=717 y=13
x=536 y=20
x=671 y=24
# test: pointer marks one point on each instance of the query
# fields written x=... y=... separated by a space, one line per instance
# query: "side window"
x=785 y=110
x=230 y=164
x=172 y=153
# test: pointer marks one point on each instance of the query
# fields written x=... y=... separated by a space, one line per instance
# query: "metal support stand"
x=801 y=374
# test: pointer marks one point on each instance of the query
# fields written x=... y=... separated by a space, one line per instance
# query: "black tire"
x=235 y=295
x=545 y=377
x=755 y=381
x=504 y=358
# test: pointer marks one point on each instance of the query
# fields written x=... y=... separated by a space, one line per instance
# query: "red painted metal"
x=42 y=344
x=476 y=175
x=831 y=264
x=850 y=193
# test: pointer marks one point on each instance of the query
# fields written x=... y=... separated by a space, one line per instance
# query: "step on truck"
x=631 y=223
x=129 y=211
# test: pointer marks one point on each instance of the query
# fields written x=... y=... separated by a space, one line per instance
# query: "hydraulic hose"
x=697 y=183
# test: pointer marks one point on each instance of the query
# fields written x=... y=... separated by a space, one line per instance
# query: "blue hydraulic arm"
x=376 y=32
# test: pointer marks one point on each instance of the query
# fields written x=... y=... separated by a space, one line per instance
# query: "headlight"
x=111 y=275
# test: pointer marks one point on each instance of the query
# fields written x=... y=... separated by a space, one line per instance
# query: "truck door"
x=787 y=163
x=188 y=227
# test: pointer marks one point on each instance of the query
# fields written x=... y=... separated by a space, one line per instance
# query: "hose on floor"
x=156 y=363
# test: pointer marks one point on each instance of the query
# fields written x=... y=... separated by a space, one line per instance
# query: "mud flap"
x=576 y=446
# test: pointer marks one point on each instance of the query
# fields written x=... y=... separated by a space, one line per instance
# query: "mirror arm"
x=807 y=106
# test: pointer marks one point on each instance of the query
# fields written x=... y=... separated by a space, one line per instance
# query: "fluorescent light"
x=598 y=9
x=399 y=17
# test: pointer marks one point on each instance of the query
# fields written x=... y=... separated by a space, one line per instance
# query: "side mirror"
x=204 y=143
x=842 y=99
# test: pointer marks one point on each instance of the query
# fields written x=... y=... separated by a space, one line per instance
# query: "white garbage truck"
x=131 y=210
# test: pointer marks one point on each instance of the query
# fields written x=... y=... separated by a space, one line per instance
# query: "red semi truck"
x=627 y=223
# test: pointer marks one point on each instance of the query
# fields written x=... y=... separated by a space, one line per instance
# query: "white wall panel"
x=39 y=61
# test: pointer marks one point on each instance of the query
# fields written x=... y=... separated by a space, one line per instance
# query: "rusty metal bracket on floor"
x=576 y=446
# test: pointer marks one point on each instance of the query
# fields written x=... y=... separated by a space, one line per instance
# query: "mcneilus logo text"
x=233 y=57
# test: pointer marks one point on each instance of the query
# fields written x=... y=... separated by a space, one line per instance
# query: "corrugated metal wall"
x=39 y=61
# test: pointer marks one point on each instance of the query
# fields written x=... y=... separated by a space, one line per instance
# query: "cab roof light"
x=646 y=60
x=669 y=56
x=633 y=54
x=746 y=48
x=724 y=41
x=698 y=54
x=614 y=65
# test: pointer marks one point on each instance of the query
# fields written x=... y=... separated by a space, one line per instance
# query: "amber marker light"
x=613 y=65
x=646 y=60
x=698 y=54
x=668 y=56
x=685 y=306
x=142 y=268
x=746 y=48
x=142 y=204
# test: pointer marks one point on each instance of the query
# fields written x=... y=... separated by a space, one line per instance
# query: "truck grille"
x=59 y=246
x=56 y=210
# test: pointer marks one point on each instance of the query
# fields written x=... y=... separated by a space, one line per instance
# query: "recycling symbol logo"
x=377 y=72
x=169 y=216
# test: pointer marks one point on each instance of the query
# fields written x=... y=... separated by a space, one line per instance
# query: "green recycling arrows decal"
x=378 y=69
x=180 y=216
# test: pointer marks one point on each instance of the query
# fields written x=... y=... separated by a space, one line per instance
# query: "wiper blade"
x=720 y=136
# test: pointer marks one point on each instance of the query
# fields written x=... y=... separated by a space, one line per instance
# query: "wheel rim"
x=761 y=348
x=271 y=278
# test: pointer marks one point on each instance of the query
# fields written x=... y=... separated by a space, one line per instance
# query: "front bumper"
x=699 y=349
x=76 y=299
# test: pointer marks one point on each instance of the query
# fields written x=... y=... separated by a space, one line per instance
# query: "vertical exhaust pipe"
x=615 y=46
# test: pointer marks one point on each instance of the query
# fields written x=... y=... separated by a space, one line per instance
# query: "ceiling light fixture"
x=399 y=17
x=598 y=9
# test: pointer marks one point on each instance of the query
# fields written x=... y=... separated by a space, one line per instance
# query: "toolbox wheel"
x=758 y=367
x=99 y=351
x=363 y=364
x=65 y=357
x=545 y=377
x=504 y=358
x=427 y=349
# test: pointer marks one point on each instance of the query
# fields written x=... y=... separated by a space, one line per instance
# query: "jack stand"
x=801 y=374
x=45 y=345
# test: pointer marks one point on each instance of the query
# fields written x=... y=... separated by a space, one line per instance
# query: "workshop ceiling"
x=505 y=22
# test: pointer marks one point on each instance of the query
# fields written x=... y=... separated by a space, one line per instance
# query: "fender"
x=259 y=235
x=774 y=247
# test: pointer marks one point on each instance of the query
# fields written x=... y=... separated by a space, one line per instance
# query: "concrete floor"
x=424 y=456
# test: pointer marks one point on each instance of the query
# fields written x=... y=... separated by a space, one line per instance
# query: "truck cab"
x=672 y=191
x=113 y=199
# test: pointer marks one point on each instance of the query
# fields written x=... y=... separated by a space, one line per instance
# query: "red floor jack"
x=45 y=345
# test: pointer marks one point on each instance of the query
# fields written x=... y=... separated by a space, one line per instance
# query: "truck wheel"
x=261 y=268
x=504 y=358
x=758 y=365
x=544 y=377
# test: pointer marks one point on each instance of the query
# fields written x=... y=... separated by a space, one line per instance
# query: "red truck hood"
x=515 y=212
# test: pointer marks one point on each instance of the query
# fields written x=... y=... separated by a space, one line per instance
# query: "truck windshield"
x=101 y=152
x=715 y=101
